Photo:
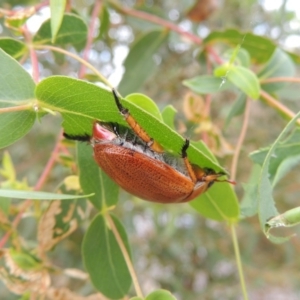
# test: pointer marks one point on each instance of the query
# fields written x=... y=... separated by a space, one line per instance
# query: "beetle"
x=139 y=164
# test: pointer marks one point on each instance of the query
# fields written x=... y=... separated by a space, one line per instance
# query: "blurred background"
x=173 y=247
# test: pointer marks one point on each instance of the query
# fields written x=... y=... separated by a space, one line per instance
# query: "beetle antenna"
x=121 y=109
x=226 y=180
x=82 y=138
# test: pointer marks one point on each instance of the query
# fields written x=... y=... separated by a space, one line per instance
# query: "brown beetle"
x=140 y=166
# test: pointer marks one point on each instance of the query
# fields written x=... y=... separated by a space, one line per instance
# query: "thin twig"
x=33 y=56
x=240 y=141
x=156 y=20
x=125 y=255
x=90 y=37
x=267 y=98
x=280 y=79
x=15 y=108
x=239 y=261
x=48 y=47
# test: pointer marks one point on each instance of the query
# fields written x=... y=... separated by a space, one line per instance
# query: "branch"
x=267 y=98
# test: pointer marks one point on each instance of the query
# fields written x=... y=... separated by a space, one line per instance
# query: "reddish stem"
x=37 y=187
x=156 y=20
x=90 y=37
x=33 y=56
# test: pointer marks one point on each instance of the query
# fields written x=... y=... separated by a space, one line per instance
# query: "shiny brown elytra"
x=140 y=166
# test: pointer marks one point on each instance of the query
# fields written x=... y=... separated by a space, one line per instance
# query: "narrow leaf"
x=259 y=48
x=13 y=47
x=16 y=88
x=72 y=31
x=16 y=194
x=237 y=108
x=104 y=260
x=57 y=8
x=244 y=79
x=139 y=64
x=266 y=205
x=168 y=115
x=207 y=84
x=279 y=65
x=94 y=180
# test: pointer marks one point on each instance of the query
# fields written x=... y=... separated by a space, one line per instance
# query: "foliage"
x=84 y=211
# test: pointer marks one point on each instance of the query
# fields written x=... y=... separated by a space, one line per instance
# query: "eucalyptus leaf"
x=104 y=260
x=16 y=88
x=260 y=48
x=94 y=180
x=207 y=84
x=140 y=64
x=12 y=47
x=16 y=194
x=266 y=203
x=72 y=31
x=57 y=8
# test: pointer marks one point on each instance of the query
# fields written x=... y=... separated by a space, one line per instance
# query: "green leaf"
x=218 y=203
x=241 y=56
x=5 y=205
x=104 y=22
x=16 y=88
x=286 y=166
x=243 y=78
x=289 y=218
x=160 y=295
x=8 y=170
x=207 y=84
x=145 y=103
x=37 y=195
x=249 y=203
x=13 y=47
x=81 y=103
x=168 y=115
x=103 y=258
x=72 y=31
x=139 y=64
x=279 y=65
x=266 y=203
x=25 y=260
x=57 y=8
x=259 y=48
x=237 y=108
x=286 y=149
x=94 y=180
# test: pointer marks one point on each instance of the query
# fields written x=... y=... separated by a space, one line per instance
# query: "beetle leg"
x=81 y=138
x=138 y=130
x=187 y=162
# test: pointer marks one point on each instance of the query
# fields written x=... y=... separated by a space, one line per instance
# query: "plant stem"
x=90 y=37
x=238 y=261
x=15 y=108
x=125 y=255
x=267 y=98
x=84 y=62
x=240 y=142
x=156 y=20
x=280 y=79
